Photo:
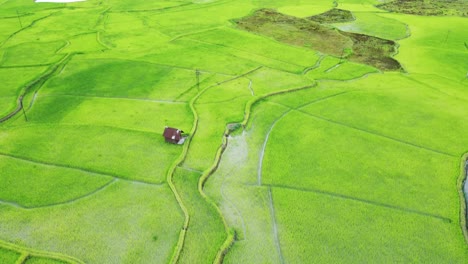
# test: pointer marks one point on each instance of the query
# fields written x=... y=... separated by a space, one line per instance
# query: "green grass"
x=8 y=256
x=266 y=81
x=7 y=104
x=330 y=68
x=385 y=169
x=120 y=78
x=15 y=79
x=126 y=222
x=401 y=113
x=36 y=260
x=123 y=32
x=259 y=49
x=198 y=55
x=360 y=165
x=124 y=113
x=341 y=229
x=83 y=43
x=97 y=149
x=213 y=119
x=244 y=204
x=32 y=184
x=436 y=46
x=205 y=234
x=32 y=54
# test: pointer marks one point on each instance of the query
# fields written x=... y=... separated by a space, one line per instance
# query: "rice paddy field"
x=317 y=131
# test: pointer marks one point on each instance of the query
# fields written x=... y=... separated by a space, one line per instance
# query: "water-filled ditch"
x=465 y=190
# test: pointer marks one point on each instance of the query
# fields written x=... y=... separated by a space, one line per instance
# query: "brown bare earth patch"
x=359 y=48
x=428 y=7
x=334 y=15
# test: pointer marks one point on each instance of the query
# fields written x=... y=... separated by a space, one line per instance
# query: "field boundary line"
x=103 y=187
x=230 y=240
x=143 y=60
x=23 y=257
x=37 y=82
x=463 y=201
x=114 y=98
x=262 y=153
x=83 y=125
x=377 y=134
x=231 y=204
x=230 y=233
x=201 y=184
x=361 y=200
x=26 y=27
x=274 y=225
x=178 y=8
x=71 y=167
x=246 y=53
x=27 y=66
x=151 y=10
x=265 y=141
x=227 y=100
x=195 y=33
x=316 y=65
x=253 y=102
x=178 y=163
x=39 y=253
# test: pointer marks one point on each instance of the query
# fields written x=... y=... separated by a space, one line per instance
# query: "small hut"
x=173 y=135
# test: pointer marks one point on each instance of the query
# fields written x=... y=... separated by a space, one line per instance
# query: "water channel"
x=465 y=191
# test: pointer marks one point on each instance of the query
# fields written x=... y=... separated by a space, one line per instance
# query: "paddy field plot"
x=317 y=131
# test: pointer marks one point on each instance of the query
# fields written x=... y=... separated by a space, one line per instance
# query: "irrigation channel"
x=465 y=191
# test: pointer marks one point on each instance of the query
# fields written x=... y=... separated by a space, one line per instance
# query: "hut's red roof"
x=171 y=133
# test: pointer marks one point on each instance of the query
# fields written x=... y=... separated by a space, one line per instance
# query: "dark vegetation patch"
x=428 y=7
x=373 y=51
x=295 y=31
x=334 y=15
x=359 y=48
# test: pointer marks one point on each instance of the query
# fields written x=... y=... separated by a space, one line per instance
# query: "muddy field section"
x=315 y=33
x=428 y=7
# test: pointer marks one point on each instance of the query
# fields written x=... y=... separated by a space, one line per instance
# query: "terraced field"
x=318 y=131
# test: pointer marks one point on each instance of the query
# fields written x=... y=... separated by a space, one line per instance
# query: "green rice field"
x=315 y=131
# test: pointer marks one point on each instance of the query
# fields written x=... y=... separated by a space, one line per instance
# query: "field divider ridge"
x=24 y=256
x=37 y=83
x=26 y=27
x=39 y=253
x=230 y=240
x=178 y=163
x=440 y=152
x=462 y=178
x=65 y=202
x=67 y=166
x=230 y=233
x=361 y=200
